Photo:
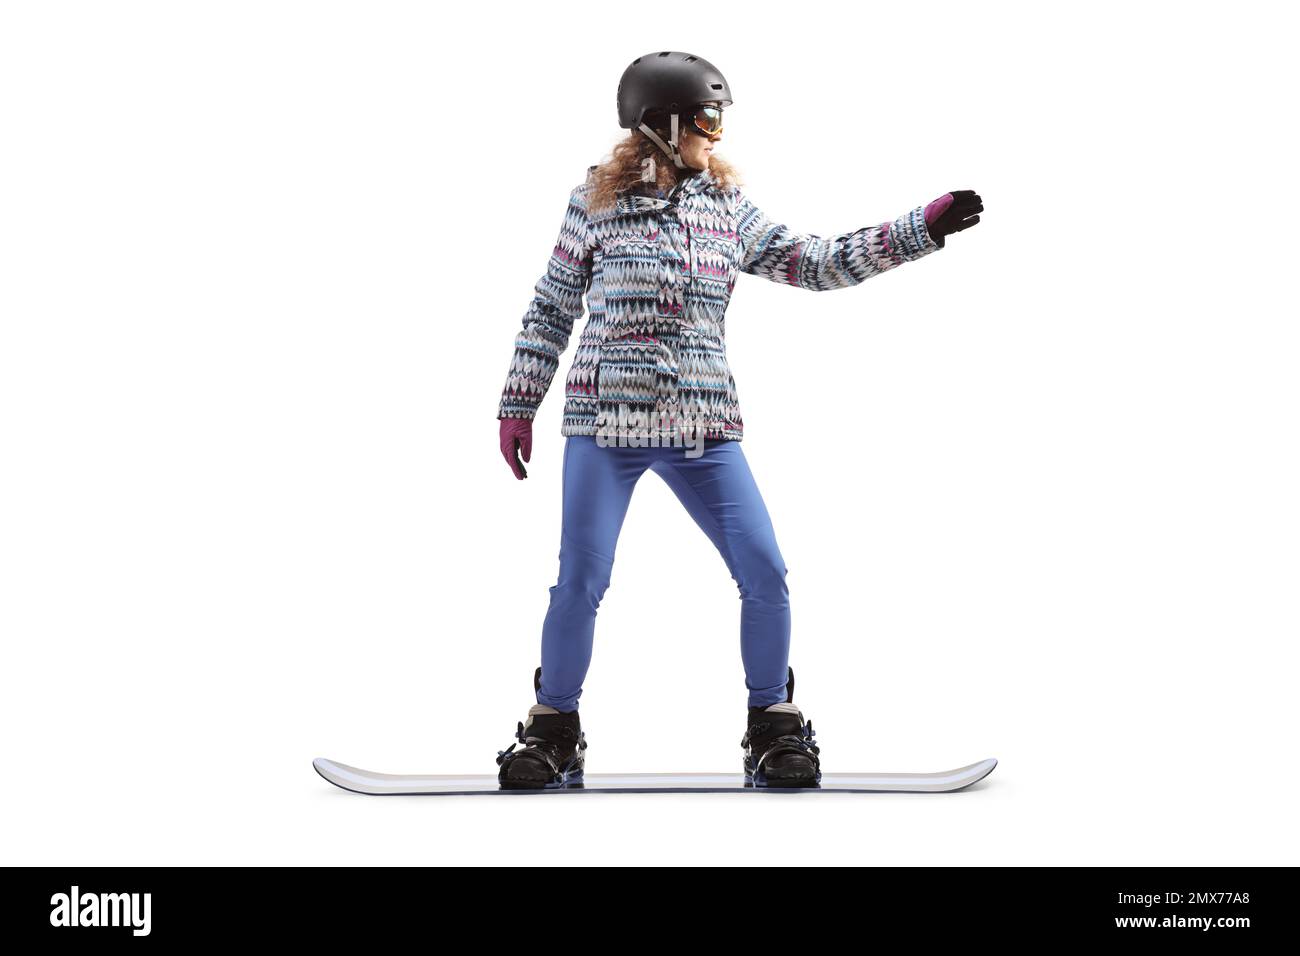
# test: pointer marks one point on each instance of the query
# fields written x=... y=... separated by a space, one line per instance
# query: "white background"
x=262 y=265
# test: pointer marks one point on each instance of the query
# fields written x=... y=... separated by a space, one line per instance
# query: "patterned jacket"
x=658 y=273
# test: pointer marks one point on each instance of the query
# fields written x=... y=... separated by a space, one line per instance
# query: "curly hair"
x=622 y=170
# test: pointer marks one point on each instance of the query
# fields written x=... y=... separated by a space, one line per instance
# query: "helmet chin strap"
x=674 y=152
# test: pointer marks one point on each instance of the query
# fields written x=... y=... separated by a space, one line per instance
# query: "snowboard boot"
x=552 y=756
x=780 y=750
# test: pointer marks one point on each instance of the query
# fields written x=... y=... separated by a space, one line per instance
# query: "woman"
x=656 y=248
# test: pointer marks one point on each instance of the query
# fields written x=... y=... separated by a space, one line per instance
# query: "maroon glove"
x=936 y=209
x=517 y=433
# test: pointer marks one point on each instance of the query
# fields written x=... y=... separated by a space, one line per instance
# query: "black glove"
x=952 y=212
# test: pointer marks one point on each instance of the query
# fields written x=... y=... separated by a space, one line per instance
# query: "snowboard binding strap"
x=804 y=742
x=532 y=749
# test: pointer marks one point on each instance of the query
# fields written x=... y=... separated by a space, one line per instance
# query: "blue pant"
x=719 y=492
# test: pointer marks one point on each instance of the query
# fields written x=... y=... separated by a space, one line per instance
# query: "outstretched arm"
x=808 y=261
x=548 y=322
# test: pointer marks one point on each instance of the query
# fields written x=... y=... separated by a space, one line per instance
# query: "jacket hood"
x=646 y=196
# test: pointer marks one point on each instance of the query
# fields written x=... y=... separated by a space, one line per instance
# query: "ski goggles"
x=705 y=120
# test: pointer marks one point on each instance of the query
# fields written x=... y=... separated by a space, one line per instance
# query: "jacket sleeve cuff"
x=509 y=409
x=909 y=238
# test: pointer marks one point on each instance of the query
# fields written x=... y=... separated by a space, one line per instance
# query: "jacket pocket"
x=637 y=385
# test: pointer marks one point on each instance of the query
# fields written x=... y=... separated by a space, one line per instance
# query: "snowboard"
x=392 y=784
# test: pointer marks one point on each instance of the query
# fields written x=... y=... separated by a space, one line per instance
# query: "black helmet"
x=668 y=83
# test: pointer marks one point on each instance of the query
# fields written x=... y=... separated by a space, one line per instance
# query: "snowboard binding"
x=780 y=747
x=552 y=755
